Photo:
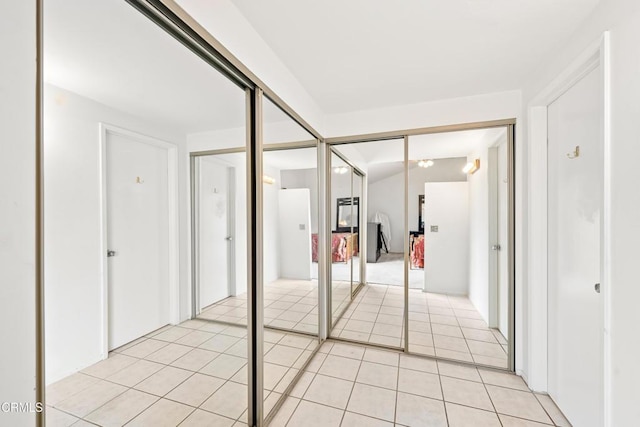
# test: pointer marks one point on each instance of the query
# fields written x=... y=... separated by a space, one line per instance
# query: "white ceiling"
x=364 y=54
x=109 y=52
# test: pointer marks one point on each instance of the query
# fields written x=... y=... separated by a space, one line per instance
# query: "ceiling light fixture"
x=341 y=170
x=268 y=179
x=471 y=167
x=427 y=163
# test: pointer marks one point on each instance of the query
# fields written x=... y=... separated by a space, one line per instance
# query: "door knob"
x=495 y=247
x=110 y=253
x=229 y=238
x=597 y=287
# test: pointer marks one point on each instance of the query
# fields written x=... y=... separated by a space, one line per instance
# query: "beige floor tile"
x=283 y=355
x=418 y=363
x=163 y=381
x=195 y=390
x=163 y=413
x=145 y=348
x=214 y=328
x=508 y=421
x=340 y=367
x=553 y=411
x=448 y=330
x=359 y=326
x=309 y=414
x=347 y=350
x=503 y=379
x=420 y=338
x=390 y=319
x=501 y=363
x=479 y=335
x=56 y=418
x=273 y=374
x=329 y=391
x=195 y=360
x=391 y=341
x=109 y=366
x=133 y=374
x=356 y=420
x=230 y=400
x=450 y=343
x=122 y=409
x=387 y=330
x=224 y=366
x=83 y=423
x=302 y=385
x=486 y=349
x=425 y=327
x=378 y=375
x=455 y=370
x=454 y=355
x=296 y=341
x=462 y=416
x=172 y=334
x=200 y=418
x=316 y=362
x=286 y=380
x=284 y=413
x=91 y=398
x=219 y=343
x=472 y=323
x=383 y=357
x=195 y=338
x=517 y=403
x=417 y=411
x=420 y=383
x=466 y=393
x=68 y=386
x=354 y=336
x=193 y=324
x=372 y=401
x=169 y=353
x=365 y=316
x=422 y=350
x=443 y=320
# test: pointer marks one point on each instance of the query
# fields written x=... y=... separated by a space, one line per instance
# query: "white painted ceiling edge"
x=224 y=21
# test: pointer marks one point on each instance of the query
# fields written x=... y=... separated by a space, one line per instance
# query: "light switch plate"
x=434 y=228
x=302 y=226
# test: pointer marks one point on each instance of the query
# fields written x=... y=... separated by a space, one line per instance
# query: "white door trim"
x=174 y=278
x=598 y=54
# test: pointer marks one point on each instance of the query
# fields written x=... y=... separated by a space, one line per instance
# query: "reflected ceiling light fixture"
x=341 y=170
x=427 y=163
x=268 y=179
x=471 y=167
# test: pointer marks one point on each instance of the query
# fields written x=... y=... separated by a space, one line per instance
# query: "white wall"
x=73 y=250
x=294 y=233
x=479 y=223
x=446 y=252
x=387 y=195
x=470 y=109
x=304 y=178
x=17 y=208
x=621 y=18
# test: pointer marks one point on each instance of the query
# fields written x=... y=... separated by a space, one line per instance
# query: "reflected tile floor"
x=289 y=304
x=194 y=374
x=439 y=325
x=352 y=385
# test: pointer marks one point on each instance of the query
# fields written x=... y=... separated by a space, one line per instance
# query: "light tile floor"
x=193 y=374
x=289 y=304
x=358 y=386
x=439 y=325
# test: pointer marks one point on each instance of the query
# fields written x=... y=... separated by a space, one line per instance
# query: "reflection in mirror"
x=458 y=296
x=290 y=227
x=107 y=67
x=376 y=313
x=341 y=239
x=354 y=223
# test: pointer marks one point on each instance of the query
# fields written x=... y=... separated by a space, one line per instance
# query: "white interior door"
x=138 y=232
x=213 y=232
x=503 y=240
x=575 y=189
